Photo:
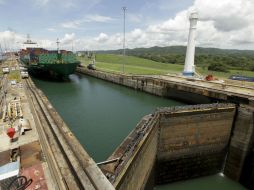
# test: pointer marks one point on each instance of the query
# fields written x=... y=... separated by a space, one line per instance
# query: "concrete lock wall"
x=183 y=91
x=137 y=174
x=187 y=141
x=193 y=142
x=135 y=157
x=240 y=160
x=130 y=81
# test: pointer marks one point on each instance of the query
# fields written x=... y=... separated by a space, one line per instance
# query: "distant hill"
x=204 y=57
x=179 y=50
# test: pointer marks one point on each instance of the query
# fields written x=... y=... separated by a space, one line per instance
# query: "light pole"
x=124 y=12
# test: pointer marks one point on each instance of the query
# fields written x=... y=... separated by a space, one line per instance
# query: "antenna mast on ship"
x=29 y=43
x=59 y=55
x=58 y=49
x=28 y=40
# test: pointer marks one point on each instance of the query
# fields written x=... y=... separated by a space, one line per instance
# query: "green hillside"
x=205 y=57
x=136 y=65
x=132 y=65
x=179 y=50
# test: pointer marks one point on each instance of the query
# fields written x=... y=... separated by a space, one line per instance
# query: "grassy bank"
x=135 y=65
x=14 y=75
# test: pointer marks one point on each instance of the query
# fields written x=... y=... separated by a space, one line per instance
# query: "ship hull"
x=53 y=70
x=49 y=64
x=56 y=71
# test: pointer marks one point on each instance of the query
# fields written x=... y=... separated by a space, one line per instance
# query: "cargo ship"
x=55 y=64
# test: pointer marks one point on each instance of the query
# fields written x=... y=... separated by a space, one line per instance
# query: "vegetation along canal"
x=102 y=114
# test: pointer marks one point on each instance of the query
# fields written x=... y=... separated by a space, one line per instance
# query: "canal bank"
x=21 y=149
x=70 y=164
x=37 y=148
x=190 y=90
x=95 y=92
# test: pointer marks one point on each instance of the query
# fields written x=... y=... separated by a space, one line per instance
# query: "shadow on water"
x=214 y=182
x=69 y=87
x=46 y=78
x=123 y=91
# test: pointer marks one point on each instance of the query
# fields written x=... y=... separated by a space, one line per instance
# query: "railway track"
x=70 y=165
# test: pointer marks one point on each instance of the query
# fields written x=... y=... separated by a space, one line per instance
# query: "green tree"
x=217 y=67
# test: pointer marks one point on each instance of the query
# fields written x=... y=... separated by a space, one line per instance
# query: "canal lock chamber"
x=160 y=147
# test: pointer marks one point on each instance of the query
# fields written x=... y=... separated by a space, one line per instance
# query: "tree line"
x=212 y=62
x=211 y=58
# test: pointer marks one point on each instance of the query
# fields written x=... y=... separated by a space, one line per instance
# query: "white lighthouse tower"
x=189 y=68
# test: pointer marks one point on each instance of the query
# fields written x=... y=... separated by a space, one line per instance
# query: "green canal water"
x=102 y=114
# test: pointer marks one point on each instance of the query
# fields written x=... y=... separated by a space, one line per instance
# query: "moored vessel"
x=58 y=64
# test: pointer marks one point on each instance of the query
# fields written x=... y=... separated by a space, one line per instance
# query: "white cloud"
x=7 y=35
x=76 y=24
x=226 y=24
x=97 y=18
x=51 y=4
x=60 y=3
x=222 y=24
x=48 y=44
x=51 y=29
x=227 y=14
x=71 y=24
x=136 y=34
x=9 y=39
x=177 y=24
x=102 y=38
x=67 y=39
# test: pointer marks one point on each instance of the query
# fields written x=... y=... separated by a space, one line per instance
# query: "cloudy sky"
x=98 y=24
